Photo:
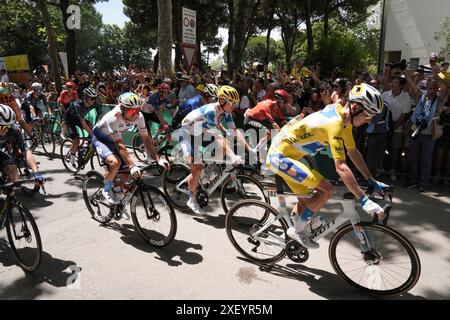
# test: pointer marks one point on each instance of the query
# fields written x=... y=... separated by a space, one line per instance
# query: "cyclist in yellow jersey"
x=331 y=126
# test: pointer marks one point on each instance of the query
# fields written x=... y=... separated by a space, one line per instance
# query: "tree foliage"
x=444 y=36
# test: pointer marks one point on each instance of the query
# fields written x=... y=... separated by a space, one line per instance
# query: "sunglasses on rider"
x=4 y=127
x=130 y=113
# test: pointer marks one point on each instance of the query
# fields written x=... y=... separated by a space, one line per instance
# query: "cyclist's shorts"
x=105 y=149
x=299 y=178
x=259 y=125
x=5 y=160
x=190 y=144
x=26 y=112
x=16 y=139
x=72 y=124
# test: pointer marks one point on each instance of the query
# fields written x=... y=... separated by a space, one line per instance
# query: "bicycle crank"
x=296 y=252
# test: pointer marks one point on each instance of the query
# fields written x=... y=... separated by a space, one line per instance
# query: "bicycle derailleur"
x=296 y=252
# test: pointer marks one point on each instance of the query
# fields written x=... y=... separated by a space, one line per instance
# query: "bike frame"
x=349 y=213
x=214 y=185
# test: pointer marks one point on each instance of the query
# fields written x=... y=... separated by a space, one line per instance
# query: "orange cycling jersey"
x=265 y=110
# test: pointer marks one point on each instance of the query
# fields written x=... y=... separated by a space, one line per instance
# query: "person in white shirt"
x=4 y=76
x=399 y=103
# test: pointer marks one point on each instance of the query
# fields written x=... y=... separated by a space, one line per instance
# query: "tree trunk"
x=53 y=50
x=242 y=16
x=165 y=37
x=269 y=30
x=231 y=30
x=178 y=32
x=309 y=33
x=326 y=18
x=70 y=40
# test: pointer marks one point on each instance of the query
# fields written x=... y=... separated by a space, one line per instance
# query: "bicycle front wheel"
x=66 y=145
x=48 y=141
x=153 y=216
x=244 y=219
x=243 y=187
x=390 y=269
x=24 y=237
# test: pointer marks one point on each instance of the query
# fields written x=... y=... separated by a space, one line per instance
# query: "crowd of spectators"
x=415 y=99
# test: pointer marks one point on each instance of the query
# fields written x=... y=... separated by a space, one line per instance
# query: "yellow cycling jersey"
x=314 y=133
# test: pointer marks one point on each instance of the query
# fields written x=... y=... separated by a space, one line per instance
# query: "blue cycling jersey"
x=206 y=117
x=153 y=103
x=192 y=104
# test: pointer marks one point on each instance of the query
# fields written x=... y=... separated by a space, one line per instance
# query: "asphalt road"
x=115 y=263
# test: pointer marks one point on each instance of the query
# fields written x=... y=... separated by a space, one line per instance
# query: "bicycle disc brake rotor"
x=296 y=252
x=372 y=257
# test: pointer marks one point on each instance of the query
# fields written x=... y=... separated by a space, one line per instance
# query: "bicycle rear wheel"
x=24 y=237
x=93 y=198
x=171 y=179
x=249 y=188
x=244 y=219
x=153 y=216
x=390 y=269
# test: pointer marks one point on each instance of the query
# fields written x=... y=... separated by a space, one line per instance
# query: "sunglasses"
x=4 y=127
x=130 y=113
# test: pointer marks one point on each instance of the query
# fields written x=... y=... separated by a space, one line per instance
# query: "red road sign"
x=189 y=53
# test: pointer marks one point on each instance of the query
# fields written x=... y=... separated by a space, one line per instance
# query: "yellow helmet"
x=229 y=93
x=200 y=88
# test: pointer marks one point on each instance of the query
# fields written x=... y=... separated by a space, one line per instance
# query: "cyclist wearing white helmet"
x=7 y=163
x=109 y=144
x=30 y=104
x=9 y=132
x=331 y=127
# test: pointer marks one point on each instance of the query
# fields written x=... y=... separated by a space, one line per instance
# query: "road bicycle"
x=368 y=255
x=151 y=212
x=85 y=155
x=235 y=185
x=29 y=187
x=162 y=142
x=21 y=229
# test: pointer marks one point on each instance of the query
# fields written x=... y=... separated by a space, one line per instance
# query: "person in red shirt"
x=67 y=96
x=266 y=115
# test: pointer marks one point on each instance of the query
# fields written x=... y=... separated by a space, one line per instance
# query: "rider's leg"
x=193 y=179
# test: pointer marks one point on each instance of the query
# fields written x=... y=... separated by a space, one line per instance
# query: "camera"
x=421 y=126
x=398 y=65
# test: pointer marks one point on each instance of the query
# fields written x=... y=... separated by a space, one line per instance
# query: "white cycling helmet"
x=369 y=97
x=130 y=100
x=211 y=90
x=7 y=116
x=36 y=86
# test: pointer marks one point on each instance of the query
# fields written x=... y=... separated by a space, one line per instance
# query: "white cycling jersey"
x=114 y=125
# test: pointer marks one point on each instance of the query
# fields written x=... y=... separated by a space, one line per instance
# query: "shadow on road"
x=55 y=272
x=167 y=254
x=323 y=283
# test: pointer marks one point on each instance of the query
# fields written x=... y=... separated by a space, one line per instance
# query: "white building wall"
x=411 y=27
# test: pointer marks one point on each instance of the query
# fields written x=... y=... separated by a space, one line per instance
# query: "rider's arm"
x=124 y=152
x=85 y=126
x=148 y=143
x=348 y=178
x=359 y=162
